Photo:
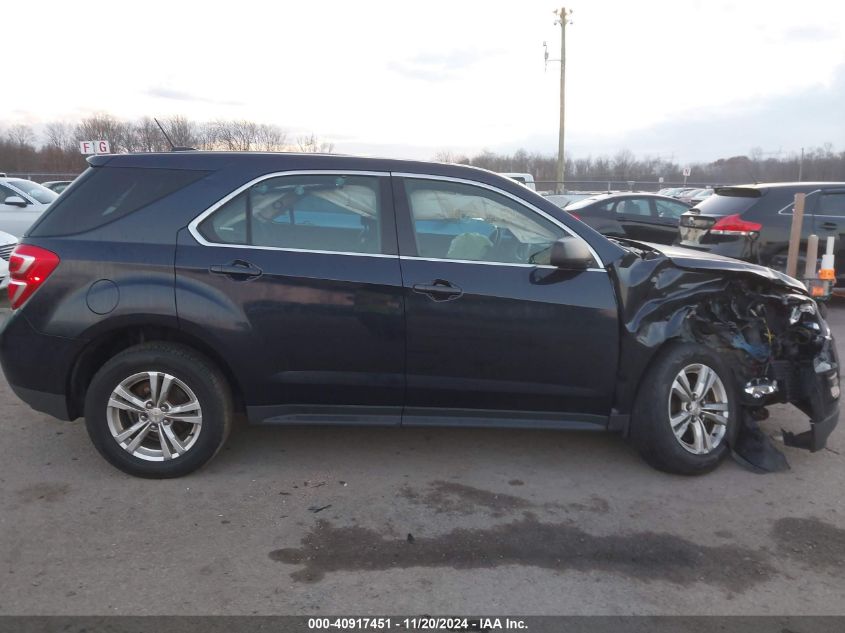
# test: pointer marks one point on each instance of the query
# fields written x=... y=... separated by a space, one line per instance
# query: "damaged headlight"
x=804 y=308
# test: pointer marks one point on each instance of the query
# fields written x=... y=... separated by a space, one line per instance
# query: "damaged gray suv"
x=164 y=293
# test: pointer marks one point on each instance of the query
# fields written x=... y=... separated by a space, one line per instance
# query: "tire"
x=198 y=400
x=652 y=431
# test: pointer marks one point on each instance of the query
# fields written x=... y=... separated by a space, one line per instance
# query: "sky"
x=687 y=80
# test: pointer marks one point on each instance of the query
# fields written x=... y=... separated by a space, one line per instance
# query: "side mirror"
x=15 y=201
x=571 y=253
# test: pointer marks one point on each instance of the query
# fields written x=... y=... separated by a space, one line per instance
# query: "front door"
x=295 y=281
x=493 y=332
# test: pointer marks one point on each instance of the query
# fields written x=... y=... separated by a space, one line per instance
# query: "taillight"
x=29 y=267
x=574 y=215
x=735 y=225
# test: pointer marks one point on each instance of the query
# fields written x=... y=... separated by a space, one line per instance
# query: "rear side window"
x=729 y=201
x=104 y=194
x=330 y=213
x=832 y=204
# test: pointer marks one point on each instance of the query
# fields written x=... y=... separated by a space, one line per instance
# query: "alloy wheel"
x=154 y=416
x=698 y=409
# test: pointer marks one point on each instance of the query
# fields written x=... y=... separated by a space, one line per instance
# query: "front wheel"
x=158 y=410
x=686 y=412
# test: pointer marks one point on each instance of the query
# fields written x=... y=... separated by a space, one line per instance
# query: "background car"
x=753 y=222
x=21 y=203
x=57 y=185
x=639 y=216
x=695 y=196
x=525 y=179
x=7 y=245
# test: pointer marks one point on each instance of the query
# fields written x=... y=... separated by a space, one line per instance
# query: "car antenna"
x=173 y=148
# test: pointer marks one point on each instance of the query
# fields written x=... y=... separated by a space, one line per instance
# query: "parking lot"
x=366 y=521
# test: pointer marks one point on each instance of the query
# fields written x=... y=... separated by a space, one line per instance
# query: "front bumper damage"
x=780 y=348
x=783 y=352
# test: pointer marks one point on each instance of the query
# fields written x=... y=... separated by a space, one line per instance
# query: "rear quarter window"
x=105 y=194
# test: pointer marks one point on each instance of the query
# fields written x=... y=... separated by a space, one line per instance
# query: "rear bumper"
x=54 y=404
x=37 y=366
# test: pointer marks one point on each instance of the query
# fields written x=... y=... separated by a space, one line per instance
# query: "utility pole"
x=801 y=166
x=563 y=18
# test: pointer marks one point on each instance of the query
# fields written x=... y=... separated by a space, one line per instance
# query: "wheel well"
x=100 y=350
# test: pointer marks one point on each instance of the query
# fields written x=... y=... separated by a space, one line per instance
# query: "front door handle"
x=831 y=226
x=237 y=268
x=439 y=290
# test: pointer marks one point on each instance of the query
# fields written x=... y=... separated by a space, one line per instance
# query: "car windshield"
x=35 y=191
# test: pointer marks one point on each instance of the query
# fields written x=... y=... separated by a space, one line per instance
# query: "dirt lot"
x=364 y=521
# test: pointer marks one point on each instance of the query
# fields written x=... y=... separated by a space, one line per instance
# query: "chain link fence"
x=42 y=176
x=601 y=186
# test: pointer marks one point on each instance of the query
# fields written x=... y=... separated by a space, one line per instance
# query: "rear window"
x=104 y=194
x=729 y=200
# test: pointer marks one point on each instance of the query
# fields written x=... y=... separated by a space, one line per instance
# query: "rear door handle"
x=237 y=268
x=439 y=290
x=832 y=226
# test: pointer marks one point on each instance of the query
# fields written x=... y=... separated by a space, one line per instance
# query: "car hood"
x=690 y=259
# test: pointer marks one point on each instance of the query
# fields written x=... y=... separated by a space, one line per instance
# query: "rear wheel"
x=158 y=410
x=685 y=414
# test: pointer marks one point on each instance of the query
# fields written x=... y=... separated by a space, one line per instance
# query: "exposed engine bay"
x=779 y=347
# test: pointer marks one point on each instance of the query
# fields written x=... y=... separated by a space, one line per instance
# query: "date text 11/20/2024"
x=417 y=623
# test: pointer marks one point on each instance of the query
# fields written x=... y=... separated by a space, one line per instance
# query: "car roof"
x=281 y=161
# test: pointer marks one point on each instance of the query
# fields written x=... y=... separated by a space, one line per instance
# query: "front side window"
x=6 y=192
x=633 y=206
x=457 y=221
x=316 y=213
x=37 y=192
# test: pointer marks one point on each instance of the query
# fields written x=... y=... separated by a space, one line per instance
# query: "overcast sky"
x=689 y=79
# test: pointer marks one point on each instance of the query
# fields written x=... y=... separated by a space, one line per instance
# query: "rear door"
x=295 y=279
x=828 y=212
x=641 y=221
x=668 y=214
x=495 y=334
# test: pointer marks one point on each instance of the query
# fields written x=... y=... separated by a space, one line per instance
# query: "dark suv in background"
x=163 y=292
x=753 y=222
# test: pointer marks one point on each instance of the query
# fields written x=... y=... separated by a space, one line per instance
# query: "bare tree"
x=21 y=135
x=149 y=137
x=103 y=126
x=270 y=138
x=182 y=132
x=311 y=143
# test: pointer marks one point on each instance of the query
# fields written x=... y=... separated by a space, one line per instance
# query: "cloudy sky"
x=683 y=79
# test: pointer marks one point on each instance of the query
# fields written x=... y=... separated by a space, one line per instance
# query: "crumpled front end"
x=783 y=351
x=780 y=347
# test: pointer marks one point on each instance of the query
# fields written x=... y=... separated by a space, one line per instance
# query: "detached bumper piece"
x=820 y=400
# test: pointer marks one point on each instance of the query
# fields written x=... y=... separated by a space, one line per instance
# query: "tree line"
x=820 y=163
x=56 y=150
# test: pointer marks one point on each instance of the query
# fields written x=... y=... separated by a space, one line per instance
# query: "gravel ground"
x=366 y=521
